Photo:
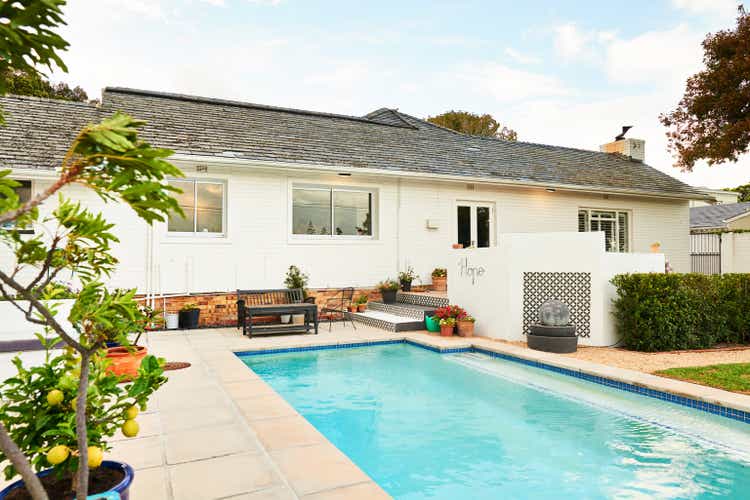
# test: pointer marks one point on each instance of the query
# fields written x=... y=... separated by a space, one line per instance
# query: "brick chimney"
x=635 y=149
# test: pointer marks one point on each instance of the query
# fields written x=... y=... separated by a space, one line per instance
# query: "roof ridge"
x=392 y=111
x=240 y=104
x=50 y=100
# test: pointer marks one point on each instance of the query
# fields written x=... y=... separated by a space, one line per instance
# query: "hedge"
x=668 y=312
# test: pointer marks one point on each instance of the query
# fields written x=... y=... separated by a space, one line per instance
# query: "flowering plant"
x=452 y=311
x=448 y=322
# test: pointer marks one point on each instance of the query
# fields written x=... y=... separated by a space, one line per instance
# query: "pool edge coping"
x=707 y=399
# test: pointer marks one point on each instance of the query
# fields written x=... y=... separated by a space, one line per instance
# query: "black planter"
x=389 y=296
x=406 y=286
x=188 y=320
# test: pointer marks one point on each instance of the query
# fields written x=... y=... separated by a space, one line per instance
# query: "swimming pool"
x=430 y=425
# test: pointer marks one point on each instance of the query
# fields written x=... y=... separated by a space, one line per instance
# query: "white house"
x=351 y=200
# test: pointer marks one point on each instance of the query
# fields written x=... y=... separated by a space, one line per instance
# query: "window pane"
x=483 y=227
x=464 y=226
x=311 y=211
x=583 y=221
x=352 y=213
x=622 y=231
x=210 y=212
x=186 y=200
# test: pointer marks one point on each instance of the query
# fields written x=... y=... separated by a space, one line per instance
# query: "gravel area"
x=650 y=362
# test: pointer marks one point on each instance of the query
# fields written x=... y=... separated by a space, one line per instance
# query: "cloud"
x=574 y=43
x=508 y=84
x=215 y=3
x=659 y=57
x=521 y=58
x=724 y=9
x=272 y=3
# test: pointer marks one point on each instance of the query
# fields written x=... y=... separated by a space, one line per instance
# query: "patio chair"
x=338 y=305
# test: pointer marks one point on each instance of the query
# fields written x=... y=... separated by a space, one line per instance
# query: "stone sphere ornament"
x=554 y=313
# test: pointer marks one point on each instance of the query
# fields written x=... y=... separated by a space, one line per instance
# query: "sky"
x=568 y=73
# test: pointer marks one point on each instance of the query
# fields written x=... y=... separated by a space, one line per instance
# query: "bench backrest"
x=272 y=296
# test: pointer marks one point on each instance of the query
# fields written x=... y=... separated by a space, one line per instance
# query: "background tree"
x=712 y=121
x=473 y=124
x=21 y=82
x=744 y=191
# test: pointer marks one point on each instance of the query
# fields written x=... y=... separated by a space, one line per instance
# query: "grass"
x=731 y=377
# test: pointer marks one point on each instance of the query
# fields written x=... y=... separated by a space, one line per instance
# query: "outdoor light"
x=550 y=190
x=345 y=174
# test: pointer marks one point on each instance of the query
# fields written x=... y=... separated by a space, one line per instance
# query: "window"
x=332 y=211
x=474 y=225
x=203 y=204
x=24 y=194
x=614 y=224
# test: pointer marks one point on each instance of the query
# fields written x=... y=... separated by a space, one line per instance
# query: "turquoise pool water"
x=466 y=426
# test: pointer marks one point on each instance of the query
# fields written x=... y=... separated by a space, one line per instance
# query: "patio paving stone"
x=139 y=453
x=286 y=432
x=362 y=491
x=209 y=442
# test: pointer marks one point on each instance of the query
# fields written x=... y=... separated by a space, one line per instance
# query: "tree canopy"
x=712 y=121
x=21 y=82
x=743 y=190
x=473 y=124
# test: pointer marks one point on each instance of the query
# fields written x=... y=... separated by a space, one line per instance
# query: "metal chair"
x=339 y=305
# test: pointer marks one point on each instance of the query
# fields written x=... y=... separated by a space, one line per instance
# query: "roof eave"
x=442 y=177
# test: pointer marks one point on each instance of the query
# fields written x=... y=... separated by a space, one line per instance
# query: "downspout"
x=398 y=224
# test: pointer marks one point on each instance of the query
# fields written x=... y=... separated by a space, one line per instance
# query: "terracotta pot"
x=446 y=331
x=353 y=308
x=440 y=284
x=125 y=361
x=361 y=307
x=457 y=246
x=465 y=328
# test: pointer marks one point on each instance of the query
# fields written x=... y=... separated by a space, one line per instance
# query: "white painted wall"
x=735 y=253
x=257 y=248
x=492 y=289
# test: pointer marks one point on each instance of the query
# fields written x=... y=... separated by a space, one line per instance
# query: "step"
x=422 y=299
x=405 y=309
x=387 y=321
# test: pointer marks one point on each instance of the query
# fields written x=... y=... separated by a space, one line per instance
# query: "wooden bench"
x=272 y=302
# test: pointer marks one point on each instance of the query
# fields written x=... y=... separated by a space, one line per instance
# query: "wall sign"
x=467 y=270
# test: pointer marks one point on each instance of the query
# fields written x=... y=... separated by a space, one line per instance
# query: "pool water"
x=460 y=426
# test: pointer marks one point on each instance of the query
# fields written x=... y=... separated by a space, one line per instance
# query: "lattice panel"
x=572 y=288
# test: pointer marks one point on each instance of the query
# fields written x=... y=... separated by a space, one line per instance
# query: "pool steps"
x=406 y=314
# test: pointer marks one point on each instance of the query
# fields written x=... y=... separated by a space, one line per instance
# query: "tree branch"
x=43 y=310
x=82 y=486
x=16 y=457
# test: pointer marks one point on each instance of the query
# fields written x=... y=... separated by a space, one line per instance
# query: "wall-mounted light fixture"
x=550 y=190
x=345 y=174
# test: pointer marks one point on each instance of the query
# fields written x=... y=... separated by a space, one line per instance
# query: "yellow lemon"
x=131 y=412
x=55 y=397
x=96 y=455
x=130 y=428
x=58 y=454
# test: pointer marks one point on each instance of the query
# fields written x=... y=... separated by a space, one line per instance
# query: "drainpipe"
x=398 y=223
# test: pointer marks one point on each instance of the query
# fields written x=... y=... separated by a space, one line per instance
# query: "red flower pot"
x=125 y=361
x=446 y=330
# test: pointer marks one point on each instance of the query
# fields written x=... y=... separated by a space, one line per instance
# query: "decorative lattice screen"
x=572 y=288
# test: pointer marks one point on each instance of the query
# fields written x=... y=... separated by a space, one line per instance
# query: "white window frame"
x=374 y=210
x=224 y=219
x=473 y=204
x=617 y=212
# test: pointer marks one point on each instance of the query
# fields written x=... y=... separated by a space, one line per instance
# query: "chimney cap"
x=625 y=129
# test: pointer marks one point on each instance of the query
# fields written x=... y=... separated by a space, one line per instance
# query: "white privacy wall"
x=489 y=281
x=258 y=249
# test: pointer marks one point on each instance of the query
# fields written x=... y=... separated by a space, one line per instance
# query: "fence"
x=705 y=253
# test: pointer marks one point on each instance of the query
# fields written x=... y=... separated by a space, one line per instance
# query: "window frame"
x=617 y=212
x=224 y=205
x=11 y=225
x=333 y=237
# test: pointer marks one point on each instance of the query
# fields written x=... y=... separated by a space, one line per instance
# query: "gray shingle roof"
x=715 y=216
x=38 y=131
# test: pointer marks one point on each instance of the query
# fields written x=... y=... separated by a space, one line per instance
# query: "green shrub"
x=665 y=312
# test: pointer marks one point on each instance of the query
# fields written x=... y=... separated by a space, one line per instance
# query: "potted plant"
x=296 y=279
x=388 y=289
x=440 y=279
x=465 y=326
x=446 y=326
x=189 y=316
x=432 y=323
x=362 y=303
x=61 y=413
x=405 y=278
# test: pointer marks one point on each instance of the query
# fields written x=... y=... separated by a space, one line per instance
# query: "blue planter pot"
x=123 y=488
